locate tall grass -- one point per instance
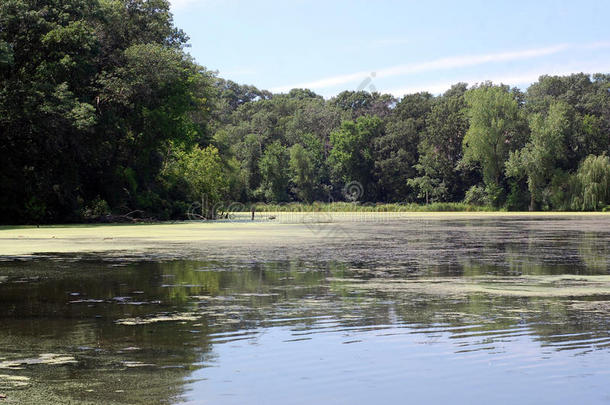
(358, 207)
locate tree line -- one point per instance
(103, 110)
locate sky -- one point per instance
(396, 47)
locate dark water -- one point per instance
(462, 311)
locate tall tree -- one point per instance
(203, 173)
(274, 174)
(103, 87)
(360, 103)
(589, 98)
(351, 158)
(396, 149)
(539, 159)
(440, 147)
(308, 168)
(494, 117)
(593, 183)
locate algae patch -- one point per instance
(45, 358)
(527, 286)
(8, 382)
(290, 228)
(601, 307)
(188, 316)
(134, 364)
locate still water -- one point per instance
(505, 310)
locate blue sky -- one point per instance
(396, 47)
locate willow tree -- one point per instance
(593, 179)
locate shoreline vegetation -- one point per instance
(258, 210)
(89, 132)
(318, 212)
(384, 207)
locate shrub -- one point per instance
(476, 195)
(96, 208)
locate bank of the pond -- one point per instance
(339, 206)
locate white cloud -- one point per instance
(598, 45)
(323, 83)
(439, 64)
(511, 79)
(470, 60)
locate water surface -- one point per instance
(404, 311)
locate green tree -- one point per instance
(351, 157)
(494, 119)
(428, 188)
(202, 170)
(101, 86)
(538, 160)
(360, 103)
(307, 168)
(248, 152)
(593, 183)
(440, 147)
(396, 151)
(589, 98)
(273, 167)
(6, 55)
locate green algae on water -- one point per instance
(159, 318)
(45, 358)
(525, 286)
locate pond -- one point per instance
(395, 310)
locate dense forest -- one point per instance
(102, 110)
